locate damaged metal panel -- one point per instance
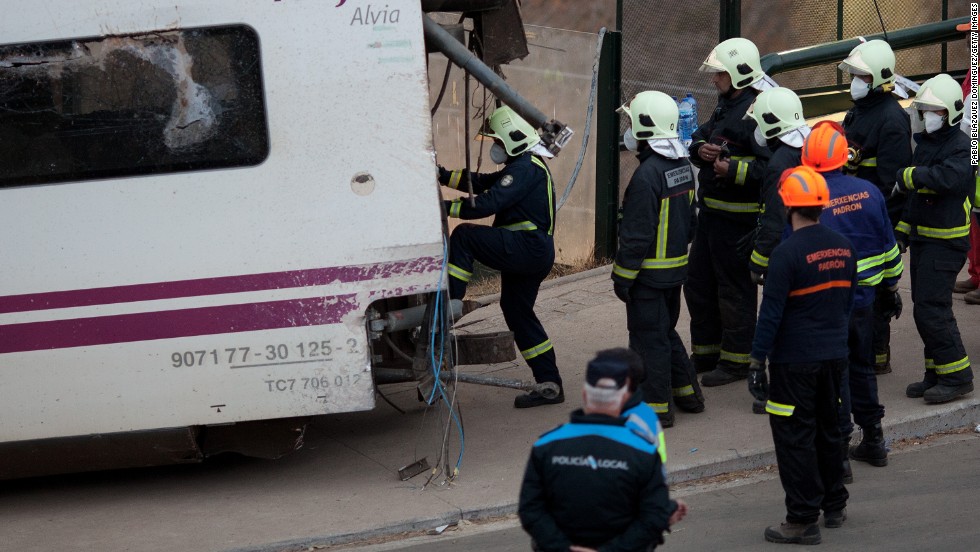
(130, 105)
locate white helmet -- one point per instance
(875, 58)
(941, 92)
(652, 115)
(510, 128)
(738, 57)
(777, 111)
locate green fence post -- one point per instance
(607, 145)
(730, 23)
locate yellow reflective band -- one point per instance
(759, 259)
(944, 233)
(662, 229)
(779, 409)
(961, 364)
(458, 273)
(685, 391)
(907, 178)
(521, 226)
(868, 262)
(743, 157)
(741, 173)
(537, 350)
(662, 446)
(903, 227)
(735, 357)
(881, 358)
(659, 408)
(930, 365)
(454, 179)
(625, 272)
(872, 162)
(454, 208)
(976, 192)
(551, 194)
(926, 191)
(660, 264)
(731, 207)
(706, 349)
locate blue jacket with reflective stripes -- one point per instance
(594, 482)
(521, 195)
(857, 211)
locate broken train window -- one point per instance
(82, 109)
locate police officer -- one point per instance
(720, 295)
(936, 225)
(781, 128)
(651, 263)
(802, 330)
(594, 483)
(858, 212)
(879, 136)
(520, 243)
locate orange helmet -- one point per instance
(803, 187)
(825, 149)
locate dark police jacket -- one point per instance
(594, 482)
(772, 220)
(807, 299)
(737, 195)
(880, 130)
(658, 215)
(940, 184)
(522, 195)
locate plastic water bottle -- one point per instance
(688, 121)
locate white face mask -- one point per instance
(498, 154)
(933, 121)
(859, 88)
(759, 138)
(630, 141)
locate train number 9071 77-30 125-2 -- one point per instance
(277, 353)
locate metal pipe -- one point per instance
(829, 52)
(548, 389)
(406, 319)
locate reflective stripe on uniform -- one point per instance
(706, 349)
(943, 233)
(537, 350)
(903, 227)
(455, 178)
(658, 264)
(930, 365)
(820, 287)
(731, 207)
(779, 409)
(759, 259)
(662, 447)
(870, 162)
(551, 194)
(735, 357)
(869, 263)
(741, 172)
(625, 272)
(881, 358)
(521, 226)
(685, 391)
(661, 251)
(943, 369)
(660, 408)
(458, 273)
(907, 178)
(454, 208)
(877, 260)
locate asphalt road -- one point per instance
(924, 500)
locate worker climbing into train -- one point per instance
(520, 243)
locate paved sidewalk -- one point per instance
(343, 486)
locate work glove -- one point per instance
(758, 382)
(623, 292)
(902, 243)
(444, 174)
(888, 302)
(758, 278)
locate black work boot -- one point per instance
(835, 519)
(917, 389)
(941, 392)
(794, 533)
(666, 419)
(722, 376)
(872, 447)
(532, 399)
(848, 474)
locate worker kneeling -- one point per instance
(802, 330)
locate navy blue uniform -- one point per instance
(858, 212)
(936, 224)
(879, 130)
(720, 295)
(803, 320)
(520, 244)
(594, 482)
(654, 232)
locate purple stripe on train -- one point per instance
(215, 286)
